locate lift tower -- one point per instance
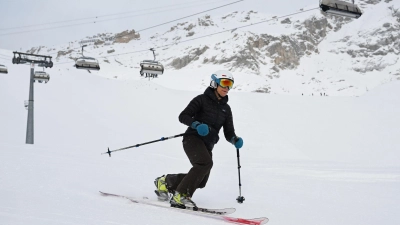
(23, 58)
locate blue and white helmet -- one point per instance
(220, 74)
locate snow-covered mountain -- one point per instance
(308, 53)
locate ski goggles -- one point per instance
(226, 83)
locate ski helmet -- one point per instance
(222, 78)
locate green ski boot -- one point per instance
(182, 201)
(162, 191)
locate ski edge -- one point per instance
(220, 212)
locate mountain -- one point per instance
(307, 53)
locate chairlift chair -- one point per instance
(41, 76)
(340, 8)
(151, 67)
(3, 69)
(87, 63)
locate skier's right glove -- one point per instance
(237, 142)
(202, 129)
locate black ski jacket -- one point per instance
(206, 109)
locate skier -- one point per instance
(205, 115)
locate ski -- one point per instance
(159, 204)
(219, 214)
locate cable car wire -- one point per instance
(208, 35)
(147, 27)
(105, 20)
(94, 17)
(190, 15)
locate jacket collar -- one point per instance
(210, 93)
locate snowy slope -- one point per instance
(306, 160)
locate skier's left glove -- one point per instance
(237, 142)
(202, 128)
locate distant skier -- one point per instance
(205, 115)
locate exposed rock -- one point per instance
(110, 51)
(190, 27)
(285, 51)
(99, 42)
(248, 16)
(126, 36)
(193, 54)
(386, 25)
(63, 53)
(176, 27)
(191, 33)
(206, 21)
(230, 15)
(263, 90)
(35, 50)
(286, 21)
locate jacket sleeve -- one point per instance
(229, 129)
(187, 115)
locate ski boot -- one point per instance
(182, 201)
(162, 191)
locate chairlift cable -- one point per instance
(94, 17)
(229, 30)
(162, 23)
(190, 16)
(92, 22)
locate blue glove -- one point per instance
(237, 142)
(202, 129)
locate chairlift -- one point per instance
(87, 63)
(151, 67)
(41, 76)
(340, 8)
(3, 69)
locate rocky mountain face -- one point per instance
(283, 52)
(273, 47)
(279, 52)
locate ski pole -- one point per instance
(138, 145)
(239, 199)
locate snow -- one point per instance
(306, 159)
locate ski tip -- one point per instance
(266, 220)
(262, 220)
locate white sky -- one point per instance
(142, 14)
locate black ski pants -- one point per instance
(197, 177)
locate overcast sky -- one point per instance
(81, 15)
